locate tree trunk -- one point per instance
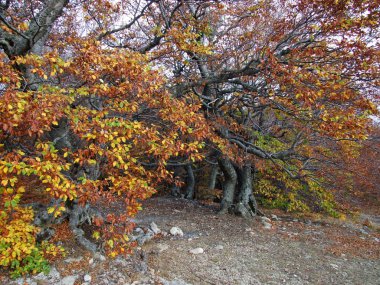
(229, 184)
(246, 203)
(190, 182)
(213, 176)
(176, 190)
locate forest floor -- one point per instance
(295, 250)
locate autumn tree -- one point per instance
(81, 126)
(100, 98)
(283, 83)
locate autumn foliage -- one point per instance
(97, 100)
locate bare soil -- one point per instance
(295, 250)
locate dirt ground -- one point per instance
(236, 251)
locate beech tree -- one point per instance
(78, 124)
(283, 83)
(98, 99)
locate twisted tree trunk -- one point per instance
(229, 184)
(246, 205)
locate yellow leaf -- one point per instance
(21, 189)
(96, 235)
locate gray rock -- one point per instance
(54, 274)
(139, 230)
(69, 280)
(154, 228)
(73, 259)
(20, 281)
(100, 257)
(145, 238)
(197, 250)
(121, 261)
(363, 231)
(265, 219)
(219, 247)
(174, 282)
(274, 217)
(267, 226)
(87, 278)
(176, 231)
(161, 247)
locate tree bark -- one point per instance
(190, 182)
(213, 176)
(176, 190)
(246, 205)
(229, 184)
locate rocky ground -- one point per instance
(189, 243)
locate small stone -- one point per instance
(267, 226)
(91, 261)
(43, 282)
(87, 278)
(54, 274)
(69, 280)
(19, 281)
(154, 228)
(121, 261)
(274, 217)
(176, 231)
(219, 247)
(145, 238)
(363, 231)
(295, 220)
(265, 219)
(162, 247)
(73, 259)
(197, 250)
(99, 257)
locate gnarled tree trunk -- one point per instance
(246, 205)
(229, 184)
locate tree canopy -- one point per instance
(101, 101)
